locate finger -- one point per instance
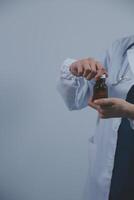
(102, 116)
(104, 102)
(100, 70)
(74, 69)
(107, 107)
(101, 67)
(93, 71)
(92, 104)
(87, 70)
(80, 70)
(102, 111)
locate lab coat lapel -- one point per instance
(130, 55)
(120, 59)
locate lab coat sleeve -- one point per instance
(75, 91)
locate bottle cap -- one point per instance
(103, 76)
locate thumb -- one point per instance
(104, 102)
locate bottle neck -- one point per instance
(101, 80)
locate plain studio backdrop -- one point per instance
(43, 146)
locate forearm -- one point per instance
(130, 111)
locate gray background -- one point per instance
(43, 146)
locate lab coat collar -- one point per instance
(121, 58)
(130, 55)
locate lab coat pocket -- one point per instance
(91, 153)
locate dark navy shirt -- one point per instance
(122, 183)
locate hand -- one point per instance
(88, 68)
(112, 107)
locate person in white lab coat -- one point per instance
(111, 148)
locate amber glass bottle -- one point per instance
(100, 89)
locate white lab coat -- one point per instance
(75, 91)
